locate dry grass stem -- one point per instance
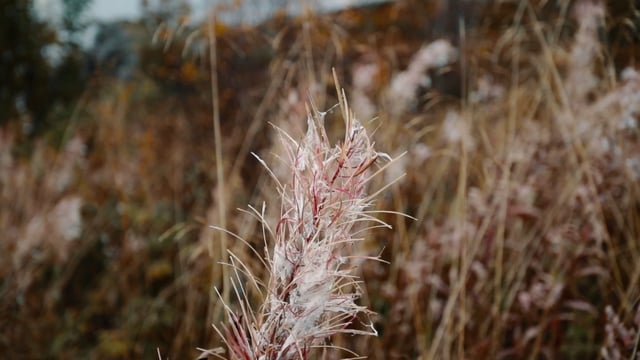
(312, 290)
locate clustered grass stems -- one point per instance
(312, 291)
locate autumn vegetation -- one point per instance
(149, 221)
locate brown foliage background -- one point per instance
(522, 170)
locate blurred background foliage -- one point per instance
(107, 173)
(36, 74)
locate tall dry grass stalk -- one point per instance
(312, 291)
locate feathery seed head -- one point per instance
(311, 294)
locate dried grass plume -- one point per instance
(312, 291)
